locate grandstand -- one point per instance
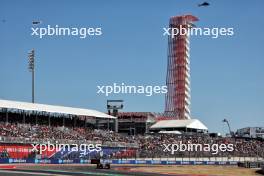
(44, 114)
(133, 123)
(23, 124)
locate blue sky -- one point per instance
(226, 73)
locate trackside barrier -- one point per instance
(82, 161)
(174, 162)
(257, 164)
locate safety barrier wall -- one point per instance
(80, 161)
(257, 164)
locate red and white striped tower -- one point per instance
(177, 101)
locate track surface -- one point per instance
(122, 170)
(67, 170)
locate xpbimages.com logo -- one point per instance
(131, 89)
(190, 147)
(197, 31)
(66, 31)
(50, 147)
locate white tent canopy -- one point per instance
(190, 123)
(52, 109)
(170, 132)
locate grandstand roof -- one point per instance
(52, 109)
(190, 123)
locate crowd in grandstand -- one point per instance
(51, 133)
(146, 145)
(150, 145)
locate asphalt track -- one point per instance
(73, 170)
(122, 170)
(66, 173)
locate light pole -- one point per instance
(31, 67)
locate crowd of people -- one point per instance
(51, 133)
(159, 146)
(148, 145)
